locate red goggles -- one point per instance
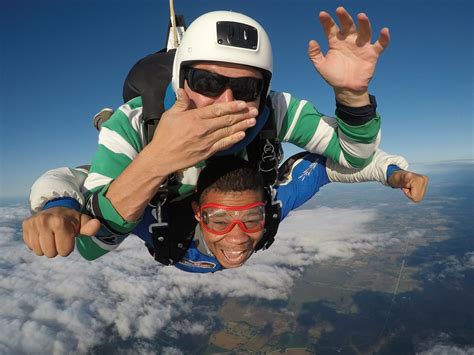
(221, 219)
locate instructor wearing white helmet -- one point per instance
(211, 114)
(225, 37)
(221, 76)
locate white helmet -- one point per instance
(224, 36)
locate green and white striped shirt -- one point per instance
(122, 137)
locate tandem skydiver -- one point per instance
(222, 224)
(210, 74)
(224, 90)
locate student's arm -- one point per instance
(309, 172)
(375, 171)
(387, 169)
(301, 177)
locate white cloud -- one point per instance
(322, 233)
(440, 344)
(68, 304)
(452, 268)
(447, 350)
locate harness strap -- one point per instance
(266, 153)
(174, 231)
(156, 88)
(272, 220)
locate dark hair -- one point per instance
(229, 174)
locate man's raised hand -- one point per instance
(350, 62)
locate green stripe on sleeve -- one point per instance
(333, 150)
(357, 162)
(288, 118)
(185, 189)
(119, 122)
(366, 133)
(110, 214)
(305, 128)
(136, 102)
(88, 249)
(284, 128)
(108, 163)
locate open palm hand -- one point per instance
(350, 61)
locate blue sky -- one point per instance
(61, 61)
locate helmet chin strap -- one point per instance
(250, 134)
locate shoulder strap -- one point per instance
(265, 151)
(272, 220)
(174, 231)
(158, 77)
(149, 78)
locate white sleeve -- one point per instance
(57, 183)
(375, 171)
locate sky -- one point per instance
(62, 61)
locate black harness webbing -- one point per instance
(173, 232)
(266, 153)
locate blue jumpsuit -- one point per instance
(301, 184)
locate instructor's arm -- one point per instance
(183, 138)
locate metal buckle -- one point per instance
(269, 156)
(159, 225)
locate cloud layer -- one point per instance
(71, 305)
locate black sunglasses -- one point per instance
(211, 84)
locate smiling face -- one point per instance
(227, 70)
(233, 248)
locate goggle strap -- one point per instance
(233, 208)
